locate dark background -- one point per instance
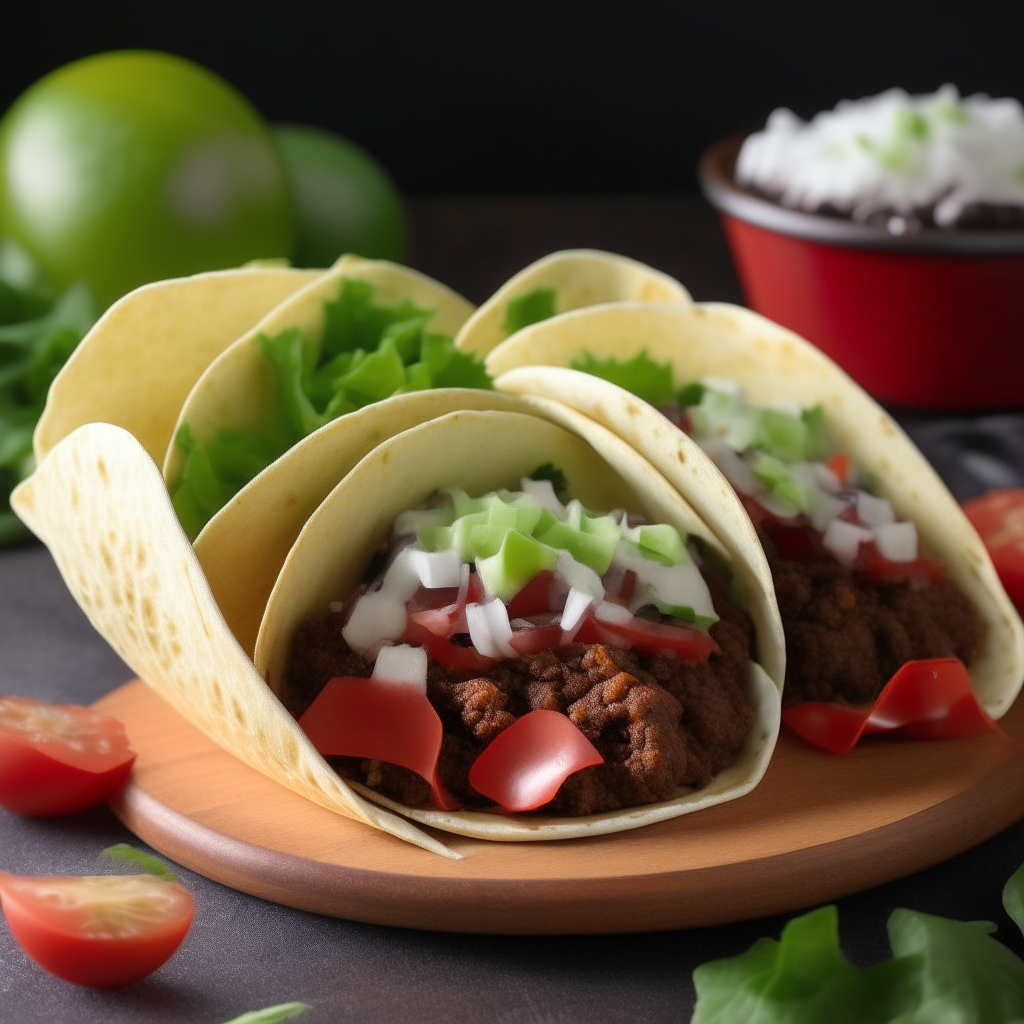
(532, 98)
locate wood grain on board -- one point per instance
(818, 827)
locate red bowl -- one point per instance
(933, 319)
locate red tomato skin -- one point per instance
(50, 776)
(443, 652)
(524, 766)
(52, 942)
(34, 784)
(999, 517)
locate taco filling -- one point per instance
(857, 596)
(513, 651)
(368, 351)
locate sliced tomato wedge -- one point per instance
(443, 652)
(930, 699)
(653, 637)
(873, 567)
(537, 638)
(999, 517)
(103, 931)
(532, 599)
(392, 722)
(59, 758)
(523, 767)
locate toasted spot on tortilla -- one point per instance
(887, 427)
(681, 455)
(148, 614)
(101, 467)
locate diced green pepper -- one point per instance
(516, 563)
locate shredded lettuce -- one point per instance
(37, 335)
(641, 375)
(529, 308)
(367, 352)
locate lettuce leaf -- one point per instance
(529, 308)
(368, 352)
(641, 375)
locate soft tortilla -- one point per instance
(481, 451)
(580, 277)
(772, 365)
(139, 361)
(99, 504)
(237, 390)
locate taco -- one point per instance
(361, 332)
(101, 506)
(559, 282)
(140, 360)
(874, 564)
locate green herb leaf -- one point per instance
(529, 308)
(270, 1015)
(804, 979)
(549, 471)
(1013, 897)
(151, 865)
(967, 976)
(641, 375)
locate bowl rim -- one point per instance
(715, 173)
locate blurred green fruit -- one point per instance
(344, 199)
(132, 166)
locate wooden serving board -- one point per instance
(818, 827)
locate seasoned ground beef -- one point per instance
(845, 639)
(660, 724)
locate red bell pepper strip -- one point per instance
(926, 700)
(391, 722)
(523, 767)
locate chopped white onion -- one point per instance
(726, 387)
(897, 541)
(463, 583)
(609, 611)
(379, 616)
(843, 539)
(577, 605)
(436, 569)
(402, 665)
(736, 471)
(668, 584)
(416, 519)
(574, 513)
(874, 511)
(825, 478)
(579, 576)
(489, 629)
(543, 492)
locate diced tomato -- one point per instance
(537, 638)
(391, 722)
(840, 465)
(59, 758)
(999, 517)
(930, 699)
(628, 588)
(103, 931)
(532, 599)
(873, 567)
(653, 637)
(431, 598)
(442, 622)
(443, 652)
(797, 543)
(523, 767)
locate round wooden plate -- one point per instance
(818, 827)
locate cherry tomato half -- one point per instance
(102, 931)
(653, 637)
(59, 758)
(999, 517)
(523, 766)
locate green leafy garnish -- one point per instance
(912, 125)
(530, 308)
(549, 471)
(271, 1014)
(37, 335)
(151, 865)
(367, 352)
(1013, 897)
(641, 375)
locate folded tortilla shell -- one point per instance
(579, 277)
(238, 389)
(243, 547)
(482, 451)
(142, 357)
(99, 504)
(772, 365)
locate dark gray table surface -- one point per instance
(243, 953)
